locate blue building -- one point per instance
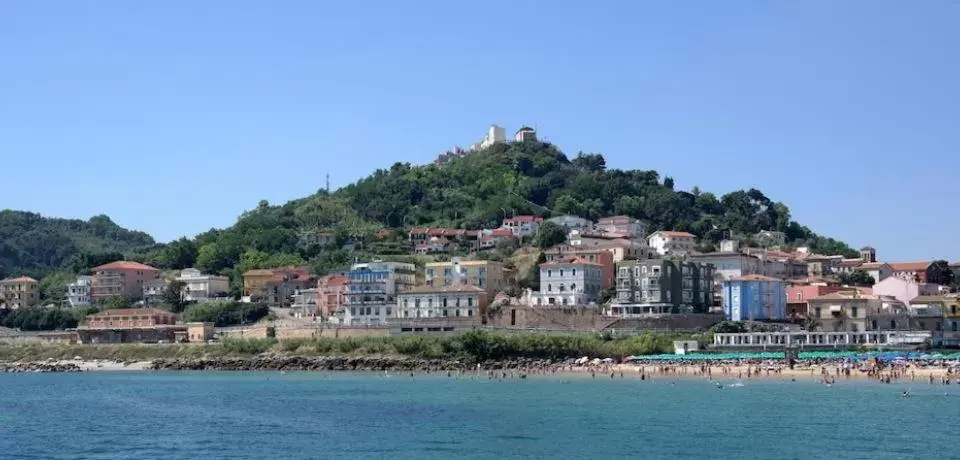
(755, 298)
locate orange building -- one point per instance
(130, 318)
(331, 295)
(19, 292)
(121, 278)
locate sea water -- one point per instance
(217, 415)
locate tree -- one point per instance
(115, 302)
(856, 278)
(549, 235)
(940, 273)
(173, 295)
(668, 182)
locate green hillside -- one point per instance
(472, 191)
(36, 245)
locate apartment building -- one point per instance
(121, 278)
(660, 286)
(19, 292)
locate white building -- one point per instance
(78, 292)
(672, 243)
(201, 288)
(524, 134)
(305, 302)
(878, 270)
(372, 291)
(494, 135)
(729, 265)
(729, 246)
(624, 225)
(461, 300)
(569, 222)
(568, 281)
(768, 238)
(523, 225)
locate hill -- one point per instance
(36, 245)
(470, 191)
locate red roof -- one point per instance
(20, 279)
(501, 232)
(124, 265)
(133, 311)
(909, 266)
(572, 260)
(523, 219)
(674, 234)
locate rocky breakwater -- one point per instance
(39, 367)
(332, 363)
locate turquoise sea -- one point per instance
(351, 416)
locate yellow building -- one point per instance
(484, 274)
(256, 281)
(19, 292)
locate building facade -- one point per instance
(525, 134)
(568, 281)
(331, 294)
(755, 298)
(153, 291)
(659, 286)
(121, 278)
(372, 290)
(130, 318)
(484, 274)
(912, 271)
(879, 271)
(276, 286)
(198, 287)
(522, 226)
(569, 222)
(904, 289)
(598, 256)
(78, 292)
(624, 225)
(729, 265)
(672, 243)
(457, 301)
(19, 292)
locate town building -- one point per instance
(904, 290)
(525, 134)
(879, 271)
(729, 265)
(851, 311)
(141, 325)
(801, 290)
(621, 249)
(820, 265)
(198, 287)
(153, 291)
(868, 254)
(485, 274)
(568, 281)
(456, 301)
(275, 286)
(420, 235)
(820, 339)
(78, 292)
(491, 238)
(671, 243)
(310, 238)
(522, 226)
(495, 134)
(602, 257)
(331, 294)
(624, 225)
(433, 245)
(121, 278)
(754, 298)
(658, 286)
(569, 222)
(372, 290)
(19, 292)
(914, 271)
(305, 302)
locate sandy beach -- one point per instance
(814, 372)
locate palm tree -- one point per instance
(811, 323)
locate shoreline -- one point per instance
(520, 368)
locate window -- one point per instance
(549, 288)
(389, 311)
(817, 312)
(353, 312)
(469, 301)
(574, 272)
(444, 312)
(549, 273)
(573, 287)
(444, 302)
(469, 312)
(853, 312)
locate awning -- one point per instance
(835, 308)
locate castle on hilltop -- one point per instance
(495, 134)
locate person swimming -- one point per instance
(906, 394)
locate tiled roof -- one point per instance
(930, 299)
(755, 278)
(19, 279)
(909, 266)
(501, 232)
(872, 265)
(572, 260)
(124, 265)
(851, 262)
(674, 234)
(132, 311)
(259, 272)
(523, 219)
(454, 288)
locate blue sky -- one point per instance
(174, 117)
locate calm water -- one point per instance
(347, 416)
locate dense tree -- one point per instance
(173, 295)
(940, 273)
(225, 313)
(550, 234)
(856, 278)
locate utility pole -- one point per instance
(328, 183)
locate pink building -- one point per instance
(331, 295)
(798, 292)
(523, 225)
(121, 278)
(904, 290)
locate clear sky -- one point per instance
(174, 117)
